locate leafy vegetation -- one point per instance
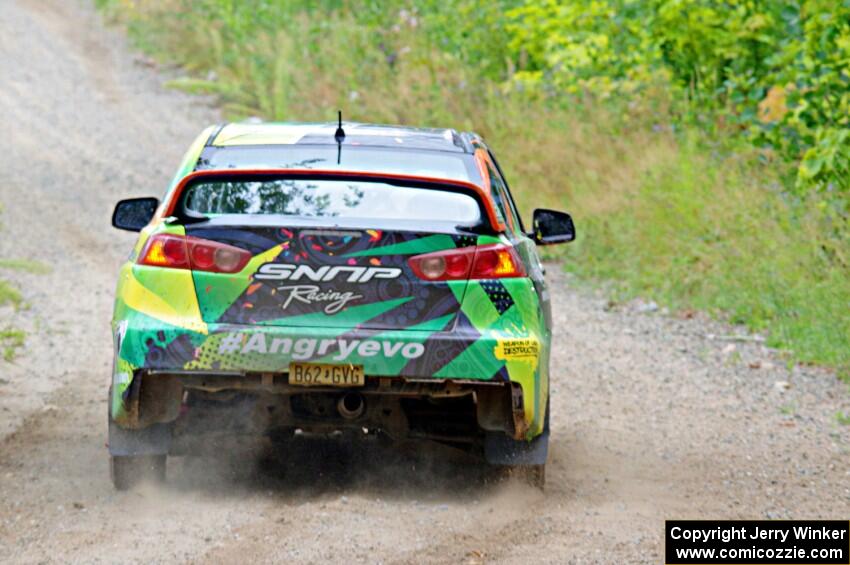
(702, 145)
(776, 70)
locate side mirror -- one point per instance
(551, 226)
(134, 213)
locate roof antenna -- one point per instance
(339, 136)
(340, 133)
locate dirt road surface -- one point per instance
(653, 416)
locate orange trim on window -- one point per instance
(485, 163)
(484, 195)
(481, 159)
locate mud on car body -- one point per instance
(292, 281)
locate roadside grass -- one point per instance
(686, 217)
(10, 341)
(26, 265)
(9, 294)
(712, 233)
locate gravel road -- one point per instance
(653, 416)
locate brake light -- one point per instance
(494, 261)
(181, 252)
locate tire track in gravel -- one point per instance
(652, 417)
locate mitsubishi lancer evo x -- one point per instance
(304, 279)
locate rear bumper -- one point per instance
(148, 347)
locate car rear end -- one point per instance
(298, 302)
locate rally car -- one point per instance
(357, 280)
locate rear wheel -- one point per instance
(520, 459)
(128, 471)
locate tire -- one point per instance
(535, 475)
(525, 461)
(502, 450)
(128, 471)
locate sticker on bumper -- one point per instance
(517, 349)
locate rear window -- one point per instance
(331, 198)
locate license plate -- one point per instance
(323, 374)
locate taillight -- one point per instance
(452, 264)
(179, 252)
(483, 262)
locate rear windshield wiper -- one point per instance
(478, 228)
(187, 217)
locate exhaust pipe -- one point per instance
(351, 406)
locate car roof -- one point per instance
(367, 148)
(368, 151)
(356, 134)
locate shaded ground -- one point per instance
(653, 417)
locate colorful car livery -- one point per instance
(303, 279)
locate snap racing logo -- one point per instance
(306, 348)
(325, 273)
(310, 294)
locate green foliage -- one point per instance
(826, 166)
(601, 47)
(474, 32)
(9, 294)
(717, 48)
(722, 56)
(706, 48)
(26, 265)
(813, 67)
(703, 233)
(10, 341)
